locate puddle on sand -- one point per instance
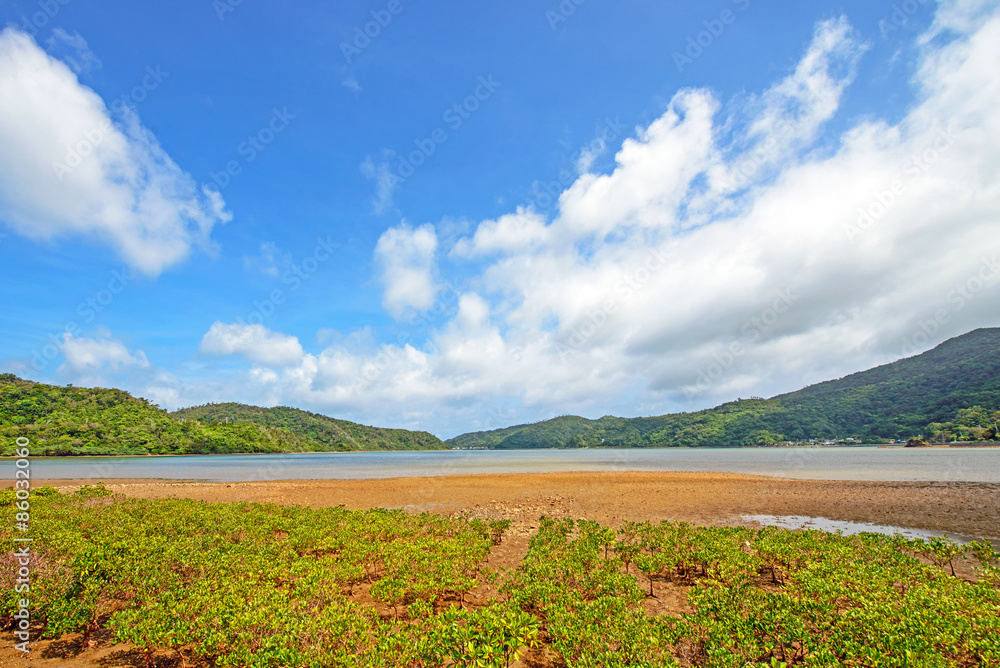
(852, 528)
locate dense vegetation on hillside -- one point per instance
(192, 583)
(95, 421)
(331, 433)
(971, 424)
(948, 392)
(555, 433)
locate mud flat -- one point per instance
(969, 509)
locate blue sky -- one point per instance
(463, 295)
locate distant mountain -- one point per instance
(949, 391)
(96, 421)
(952, 391)
(330, 433)
(558, 432)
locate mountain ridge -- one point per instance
(322, 428)
(898, 400)
(70, 420)
(951, 391)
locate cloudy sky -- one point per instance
(456, 216)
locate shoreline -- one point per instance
(210, 454)
(965, 508)
(887, 446)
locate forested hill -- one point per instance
(950, 392)
(95, 421)
(331, 433)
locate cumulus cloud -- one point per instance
(784, 119)
(796, 107)
(652, 176)
(726, 253)
(254, 342)
(69, 168)
(521, 230)
(405, 258)
(86, 357)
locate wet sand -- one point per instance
(971, 509)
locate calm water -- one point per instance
(854, 528)
(895, 464)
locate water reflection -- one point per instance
(853, 528)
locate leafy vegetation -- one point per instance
(949, 393)
(329, 432)
(759, 597)
(96, 421)
(970, 424)
(921, 394)
(267, 586)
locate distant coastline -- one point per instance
(984, 445)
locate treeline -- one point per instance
(930, 393)
(970, 424)
(97, 421)
(330, 432)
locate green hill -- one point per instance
(948, 392)
(554, 433)
(332, 434)
(96, 421)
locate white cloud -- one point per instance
(795, 108)
(841, 251)
(517, 231)
(959, 16)
(67, 168)
(267, 262)
(254, 342)
(653, 173)
(785, 118)
(163, 396)
(386, 183)
(405, 257)
(589, 154)
(86, 356)
(72, 50)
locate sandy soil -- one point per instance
(971, 509)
